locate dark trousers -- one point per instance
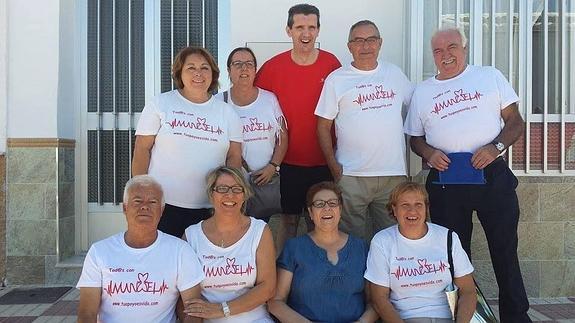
(497, 208)
(175, 220)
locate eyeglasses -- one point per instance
(320, 204)
(241, 64)
(369, 40)
(223, 189)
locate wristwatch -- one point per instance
(226, 309)
(499, 145)
(276, 166)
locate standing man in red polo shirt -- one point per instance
(296, 78)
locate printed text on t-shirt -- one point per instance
(458, 96)
(198, 124)
(229, 269)
(423, 267)
(142, 285)
(255, 125)
(367, 94)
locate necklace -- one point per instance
(232, 235)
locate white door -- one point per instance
(129, 47)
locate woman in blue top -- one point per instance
(320, 275)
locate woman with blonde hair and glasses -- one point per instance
(236, 252)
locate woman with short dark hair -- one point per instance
(320, 274)
(264, 130)
(182, 135)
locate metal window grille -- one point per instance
(531, 43)
(117, 75)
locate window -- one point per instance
(117, 75)
(128, 51)
(531, 43)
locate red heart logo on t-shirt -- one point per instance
(143, 277)
(231, 261)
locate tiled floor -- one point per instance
(64, 309)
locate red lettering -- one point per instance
(140, 286)
(200, 124)
(229, 269)
(423, 268)
(459, 96)
(378, 94)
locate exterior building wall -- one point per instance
(546, 240)
(2, 217)
(269, 29)
(38, 222)
(40, 218)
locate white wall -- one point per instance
(68, 87)
(33, 37)
(265, 21)
(3, 73)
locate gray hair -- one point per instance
(451, 28)
(142, 180)
(363, 23)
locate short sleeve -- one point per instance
(507, 94)
(408, 88)
(286, 260)
(189, 268)
(234, 124)
(327, 106)
(413, 125)
(264, 78)
(191, 235)
(335, 62)
(150, 120)
(276, 108)
(377, 270)
(460, 259)
(91, 273)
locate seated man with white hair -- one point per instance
(138, 275)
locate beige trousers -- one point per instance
(365, 199)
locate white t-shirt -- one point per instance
(460, 114)
(140, 284)
(261, 126)
(367, 107)
(416, 271)
(191, 140)
(229, 272)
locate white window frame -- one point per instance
(152, 87)
(418, 45)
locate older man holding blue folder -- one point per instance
(461, 121)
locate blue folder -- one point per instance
(460, 171)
